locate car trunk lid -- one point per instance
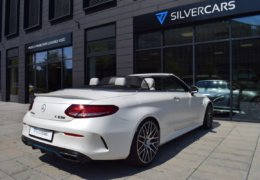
(52, 106)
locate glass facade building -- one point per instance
(50, 70)
(220, 57)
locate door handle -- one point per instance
(176, 99)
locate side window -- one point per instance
(173, 84)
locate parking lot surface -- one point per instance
(229, 151)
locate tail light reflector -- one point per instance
(90, 111)
(74, 135)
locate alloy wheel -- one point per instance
(148, 141)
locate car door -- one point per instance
(185, 106)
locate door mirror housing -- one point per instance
(194, 90)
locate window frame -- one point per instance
(64, 17)
(46, 64)
(7, 23)
(98, 7)
(99, 54)
(25, 24)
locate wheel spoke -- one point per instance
(148, 155)
(140, 141)
(142, 152)
(151, 149)
(153, 138)
(141, 137)
(140, 147)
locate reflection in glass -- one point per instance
(99, 33)
(213, 31)
(55, 55)
(246, 77)
(212, 74)
(31, 85)
(178, 60)
(54, 76)
(67, 53)
(148, 61)
(61, 8)
(101, 46)
(41, 79)
(67, 78)
(212, 61)
(13, 61)
(246, 26)
(40, 57)
(13, 77)
(101, 51)
(50, 71)
(149, 40)
(102, 66)
(178, 36)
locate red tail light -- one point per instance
(90, 111)
(31, 106)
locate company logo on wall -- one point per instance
(197, 12)
(204, 10)
(193, 12)
(162, 16)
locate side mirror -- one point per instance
(194, 90)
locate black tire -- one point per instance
(208, 118)
(145, 144)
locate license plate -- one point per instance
(41, 133)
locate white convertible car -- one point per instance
(115, 118)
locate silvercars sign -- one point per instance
(206, 10)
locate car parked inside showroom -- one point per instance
(115, 118)
(244, 94)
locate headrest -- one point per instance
(94, 81)
(148, 82)
(120, 81)
(112, 80)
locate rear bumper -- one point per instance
(104, 138)
(60, 152)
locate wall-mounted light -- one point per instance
(187, 34)
(218, 53)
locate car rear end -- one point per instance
(76, 129)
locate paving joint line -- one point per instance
(211, 152)
(7, 175)
(249, 170)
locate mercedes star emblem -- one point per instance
(43, 108)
